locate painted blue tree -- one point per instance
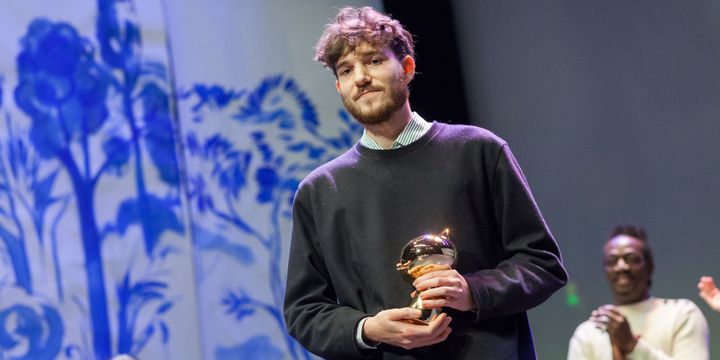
(284, 146)
(65, 90)
(30, 325)
(144, 82)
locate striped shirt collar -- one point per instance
(415, 129)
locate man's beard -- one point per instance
(396, 98)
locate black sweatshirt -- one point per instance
(353, 215)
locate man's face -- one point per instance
(627, 270)
(372, 82)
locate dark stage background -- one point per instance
(612, 109)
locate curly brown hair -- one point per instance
(352, 26)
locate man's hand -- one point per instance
(709, 292)
(444, 288)
(608, 318)
(391, 327)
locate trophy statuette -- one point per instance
(422, 255)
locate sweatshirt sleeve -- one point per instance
(690, 338)
(311, 310)
(580, 346)
(533, 269)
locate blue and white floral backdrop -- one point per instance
(149, 152)
(96, 256)
(253, 124)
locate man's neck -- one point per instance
(621, 302)
(385, 133)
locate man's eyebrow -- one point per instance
(361, 54)
(341, 64)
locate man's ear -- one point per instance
(408, 65)
(337, 86)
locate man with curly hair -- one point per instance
(404, 178)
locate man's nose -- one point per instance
(621, 264)
(361, 76)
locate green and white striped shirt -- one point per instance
(415, 129)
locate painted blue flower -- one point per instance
(30, 328)
(60, 85)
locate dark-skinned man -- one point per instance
(638, 325)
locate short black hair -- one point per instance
(629, 229)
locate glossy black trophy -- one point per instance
(422, 255)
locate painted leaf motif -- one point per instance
(119, 38)
(165, 307)
(254, 105)
(42, 193)
(164, 331)
(16, 251)
(239, 305)
(308, 113)
(162, 211)
(230, 166)
(133, 296)
(159, 133)
(154, 69)
(267, 179)
(117, 152)
(149, 290)
(214, 96)
(206, 240)
(256, 348)
(127, 215)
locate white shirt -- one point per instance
(668, 328)
(415, 129)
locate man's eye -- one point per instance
(344, 71)
(376, 61)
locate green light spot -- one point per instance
(571, 298)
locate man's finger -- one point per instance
(403, 314)
(436, 327)
(615, 315)
(442, 336)
(438, 292)
(432, 275)
(437, 322)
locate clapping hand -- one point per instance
(609, 319)
(709, 292)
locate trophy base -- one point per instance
(427, 314)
